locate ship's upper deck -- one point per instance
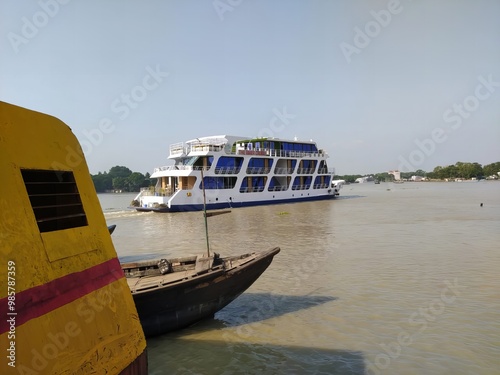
(234, 145)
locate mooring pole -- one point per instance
(205, 210)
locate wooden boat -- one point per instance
(175, 293)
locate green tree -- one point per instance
(120, 183)
(384, 176)
(135, 181)
(492, 169)
(102, 182)
(119, 171)
(407, 175)
(451, 171)
(437, 173)
(148, 181)
(469, 170)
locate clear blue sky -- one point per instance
(378, 84)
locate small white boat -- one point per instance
(237, 172)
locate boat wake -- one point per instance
(108, 214)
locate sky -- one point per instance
(379, 85)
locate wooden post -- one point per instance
(205, 210)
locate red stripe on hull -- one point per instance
(40, 300)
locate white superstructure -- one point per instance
(239, 171)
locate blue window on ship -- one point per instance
(253, 184)
(307, 166)
(299, 147)
(218, 183)
(323, 167)
(321, 182)
(301, 182)
(228, 165)
(259, 165)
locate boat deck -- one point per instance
(144, 276)
(143, 283)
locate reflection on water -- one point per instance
(390, 279)
(186, 356)
(256, 307)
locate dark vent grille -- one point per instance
(55, 199)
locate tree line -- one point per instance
(121, 178)
(462, 170)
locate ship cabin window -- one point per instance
(253, 184)
(199, 162)
(218, 182)
(322, 182)
(323, 167)
(189, 161)
(251, 147)
(278, 184)
(228, 165)
(55, 199)
(285, 166)
(296, 149)
(302, 183)
(266, 145)
(259, 165)
(307, 166)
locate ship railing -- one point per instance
(258, 170)
(279, 153)
(305, 170)
(205, 148)
(278, 188)
(227, 170)
(174, 168)
(156, 192)
(255, 151)
(254, 189)
(283, 170)
(320, 186)
(180, 168)
(177, 148)
(297, 154)
(206, 145)
(301, 187)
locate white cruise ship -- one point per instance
(238, 172)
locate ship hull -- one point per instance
(228, 172)
(197, 295)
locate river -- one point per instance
(386, 279)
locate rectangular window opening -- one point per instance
(55, 199)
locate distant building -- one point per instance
(417, 178)
(396, 174)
